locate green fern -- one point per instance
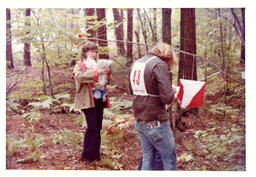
(70, 106)
(221, 107)
(62, 96)
(68, 137)
(214, 110)
(33, 156)
(31, 116)
(32, 143)
(120, 106)
(11, 105)
(46, 104)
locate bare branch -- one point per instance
(151, 27)
(237, 21)
(228, 20)
(9, 89)
(143, 29)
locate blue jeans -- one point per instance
(157, 161)
(162, 140)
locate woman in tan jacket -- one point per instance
(91, 97)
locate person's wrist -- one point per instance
(99, 71)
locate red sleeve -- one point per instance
(109, 76)
(95, 76)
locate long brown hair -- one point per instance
(86, 47)
(165, 52)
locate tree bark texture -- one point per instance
(102, 34)
(166, 25)
(90, 31)
(129, 33)
(9, 58)
(144, 32)
(151, 26)
(187, 63)
(239, 26)
(119, 31)
(138, 44)
(27, 59)
(222, 56)
(243, 35)
(155, 25)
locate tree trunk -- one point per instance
(44, 61)
(205, 66)
(43, 56)
(151, 27)
(129, 33)
(155, 24)
(27, 59)
(102, 34)
(49, 75)
(166, 25)
(9, 58)
(242, 60)
(90, 32)
(138, 44)
(221, 42)
(187, 63)
(119, 31)
(230, 34)
(240, 29)
(144, 33)
(182, 45)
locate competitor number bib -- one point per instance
(137, 78)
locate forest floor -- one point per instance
(53, 138)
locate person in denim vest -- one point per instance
(152, 90)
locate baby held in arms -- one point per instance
(101, 63)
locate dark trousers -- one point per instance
(92, 137)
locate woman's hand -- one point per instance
(104, 70)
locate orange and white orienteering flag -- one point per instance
(191, 93)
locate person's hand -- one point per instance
(176, 91)
(104, 70)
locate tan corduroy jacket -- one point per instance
(84, 80)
